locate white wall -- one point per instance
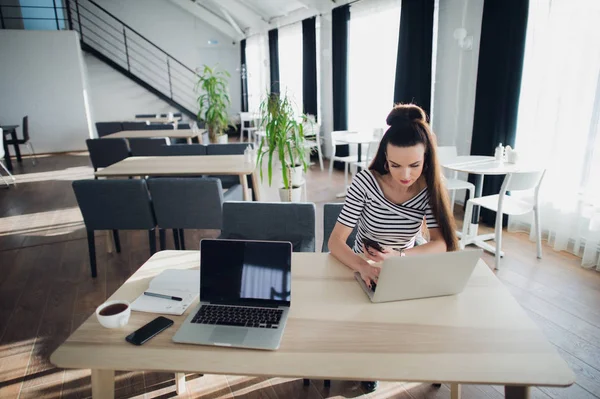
(180, 34)
(42, 75)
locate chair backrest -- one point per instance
(330, 216)
(187, 202)
(145, 115)
(522, 181)
(446, 153)
(175, 115)
(106, 128)
(115, 204)
(183, 126)
(157, 126)
(183, 149)
(26, 128)
(105, 152)
(147, 147)
(271, 221)
(134, 125)
(227, 149)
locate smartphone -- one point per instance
(145, 333)
(372, 244)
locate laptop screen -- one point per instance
(245, 272)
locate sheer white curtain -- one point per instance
(257, 64)
(558, 125)
(290, 64)
(372, 50)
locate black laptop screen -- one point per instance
(245, 272)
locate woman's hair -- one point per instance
(409, 127)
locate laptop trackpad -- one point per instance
(228, 335)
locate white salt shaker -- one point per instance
(499, 153)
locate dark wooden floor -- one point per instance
(46, 293)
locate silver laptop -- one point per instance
(422, 276)
(245, 295)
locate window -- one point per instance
(372, 52)
(290, 64)
(257, 55)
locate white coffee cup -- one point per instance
(116, 320)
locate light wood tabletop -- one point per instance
(188, 134)
(195, 165)
(481, 336)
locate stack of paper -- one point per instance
(184, 284)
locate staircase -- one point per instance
(123, 48)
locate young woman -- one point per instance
(389, 201)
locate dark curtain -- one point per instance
(244, 76)
(413, 65)
(274, 59)
(309, 66)
(498, 83)
(339, 59)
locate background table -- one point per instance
(187, 166)
(12, 130)
(479, 166)
(165, 120)
(357, 138)
(187, 134)
(481, 336)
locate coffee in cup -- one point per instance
(113, 314)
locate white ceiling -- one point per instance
(242, 18)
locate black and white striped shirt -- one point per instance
(390, 224)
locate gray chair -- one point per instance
(115, 205)
(183, 126)
(145, 115)
(134, 125)
(228, 149)
(105, 152)
(106, 128)
(147, 147)
(271, 221)
(189, 203)
(330, 216)
(157, 126)
(184, 149)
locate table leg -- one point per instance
(7, 159)
(454, 391)
(13, 135)
(109, 242)
(255, 186)
(475, 218)
(180, 383)
(103, 384)
(189, 140)
(516, 392)
(244, 182)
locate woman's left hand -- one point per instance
(377, 256)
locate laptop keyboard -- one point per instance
(238, 316)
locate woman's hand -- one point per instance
(377, 256)
(369, 273)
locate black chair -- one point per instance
(228, 149)
(25, 140)
(115, 205)
(271, 221)
(183, 149)
(158, 126)
(175, 115)
(134, 125)
(145, 115)
(106, 128)
(147, 147)
(189, 203)
(183, 126)
(105, 152)
(330, 216)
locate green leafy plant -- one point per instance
(284, 138)
(213, 100)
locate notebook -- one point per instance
(179, 283)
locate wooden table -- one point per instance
(12, 130)
(481, 336)
(187, 166)
(187, 134)
(163, 119)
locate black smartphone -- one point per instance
(372, 244)
(145, 333)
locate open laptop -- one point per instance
(245, 295)
(422, 276)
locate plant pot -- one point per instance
(297, 176)
(222, 139)
(284, 194)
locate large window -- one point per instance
(558, 123)
(257, 55)
(372, 50)
(290, 64)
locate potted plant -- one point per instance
(282, 145)
(213, 102)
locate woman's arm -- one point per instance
(342, 252)
(435, 244)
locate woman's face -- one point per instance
(405, 163)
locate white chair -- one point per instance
(504, 204)
(372, 148)
(2, 154)
(249, 117)
(347, 160)
(447, 154)
(312, 134)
